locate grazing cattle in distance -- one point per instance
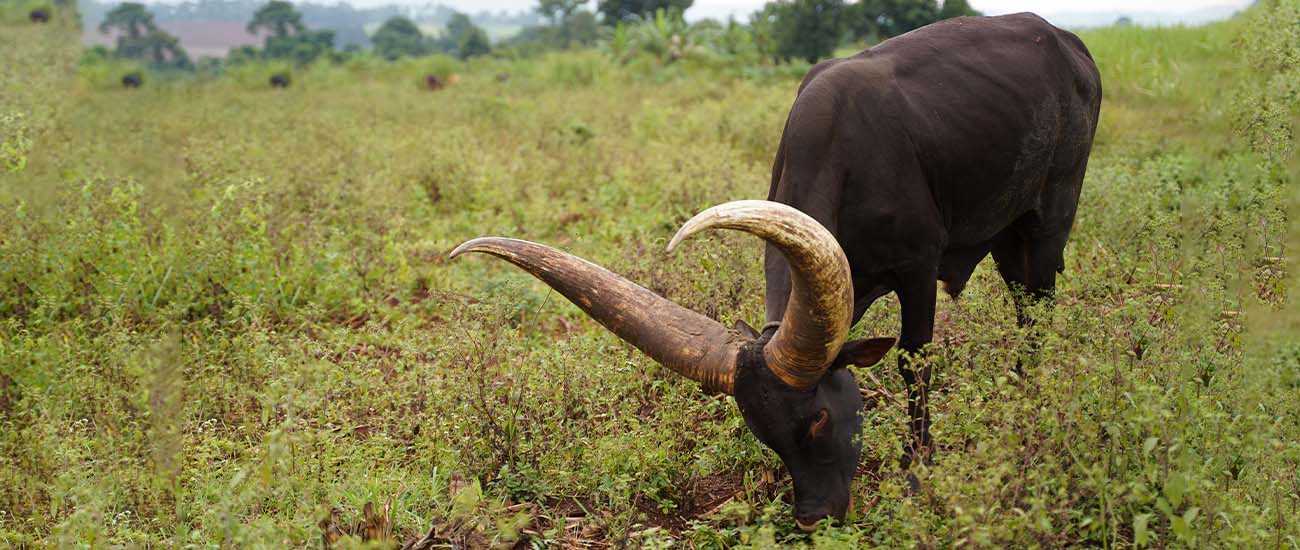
(132, 80)
(899, 167)
(432, 82)
(39, 16)
(280, 80)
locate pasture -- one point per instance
(226, 309)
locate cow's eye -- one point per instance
(818, 425)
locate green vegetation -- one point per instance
(575, 29)
(225, 310)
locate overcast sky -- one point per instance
(742, 8)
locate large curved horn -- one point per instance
(690, 344)
(820, 308)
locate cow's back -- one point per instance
(993, 107)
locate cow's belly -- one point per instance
(985, 188)
(975, 224)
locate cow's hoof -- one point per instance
(907, 464)
(913, 485)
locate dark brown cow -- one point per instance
(899, 167)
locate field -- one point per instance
(226, 310)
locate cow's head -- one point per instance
(789, 382)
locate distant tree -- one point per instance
(164, 51)
(459, 37)
(762, 32)
(474, 42)
(129, 18)
(241, 55)
(457, 26)
(880, 19)
(805, 29)
(301, 48)
(278, 17)
(1124, 21)
(558, 10)
(141, 39)
(399, 37)
(579, 28)
(626, 10)
(289, 37)
(956, 8)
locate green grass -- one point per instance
(225, 309)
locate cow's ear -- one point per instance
(744, 329)
(862, 353)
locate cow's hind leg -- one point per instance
(1028, 262)
(1031, 251)
(916, 296)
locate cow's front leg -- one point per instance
(916, 296)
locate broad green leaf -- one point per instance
(1141, 535)
(464, 503)
(1175, 488)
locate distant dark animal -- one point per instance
(899, 167)
(432, 82)
(280, 80)
(39, 16)
(132, 80)
(503, 77)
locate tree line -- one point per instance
(782, 31)
(286, 38)
(349, 23)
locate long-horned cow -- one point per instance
(899, 167)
